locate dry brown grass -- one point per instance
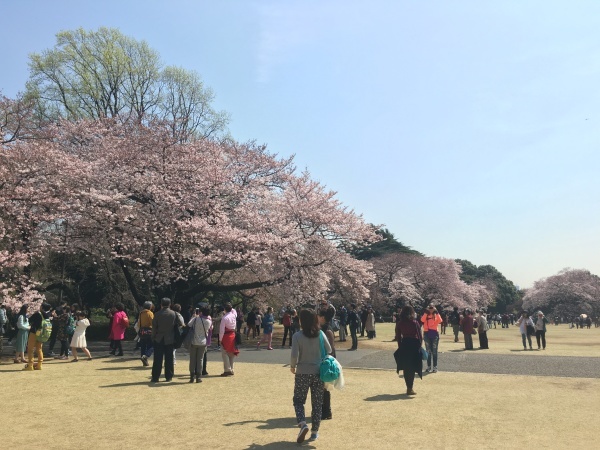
(109, 403)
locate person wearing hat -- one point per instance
(540, 330)
(431, 319)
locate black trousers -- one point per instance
(354, 337)
(286, 331)
(540, 334)
(326, 410)
(409, 377)
(163, 351)
(483, 340)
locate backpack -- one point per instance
(44, 331)
(70, 328)
(335, 325)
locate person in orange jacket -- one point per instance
(431, 320)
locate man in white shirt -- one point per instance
(227, 338)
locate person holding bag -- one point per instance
(325, 316)
(199, 328)
(410, 341)
(305, 365)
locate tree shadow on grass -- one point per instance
(116, 360)
(269, 424)
(279, 445)
(141, 383)
(123, 368)
(388, 398)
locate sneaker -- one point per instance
(52, 354)
(428, 370)
(269, 348)
(314, 436)
(144, 360)
(302, 434)
(434, 370)
(410, 392)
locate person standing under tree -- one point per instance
(199, 326)
(267, 323)
(227, 335)
(78, 339)
(145, 332)
(163, 340)
(370, 324)
(33, 344)
(286, 320)
(354, 324)
(119, 324)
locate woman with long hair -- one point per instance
(410, 340)
(305, 364)
(22, 335)
(325, 316)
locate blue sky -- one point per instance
(469, 128)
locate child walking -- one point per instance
(78, 340)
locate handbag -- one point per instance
(424, 354)
(238, 338)
(530, 330)
(189, 337)
(328, 370)
(335, 325)
(179, 334)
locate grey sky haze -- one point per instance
(469, 128)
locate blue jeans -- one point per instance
(526, 338)
(431, 345)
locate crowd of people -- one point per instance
(309, 333)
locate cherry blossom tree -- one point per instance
(179, 218)
(404, 277)
(570, 292)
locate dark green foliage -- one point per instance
(388, 244)
(506, 292)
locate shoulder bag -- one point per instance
(189, 337)
(329, 370)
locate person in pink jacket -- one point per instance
(120, 322)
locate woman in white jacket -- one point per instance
(200, 326)
(523, 322)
